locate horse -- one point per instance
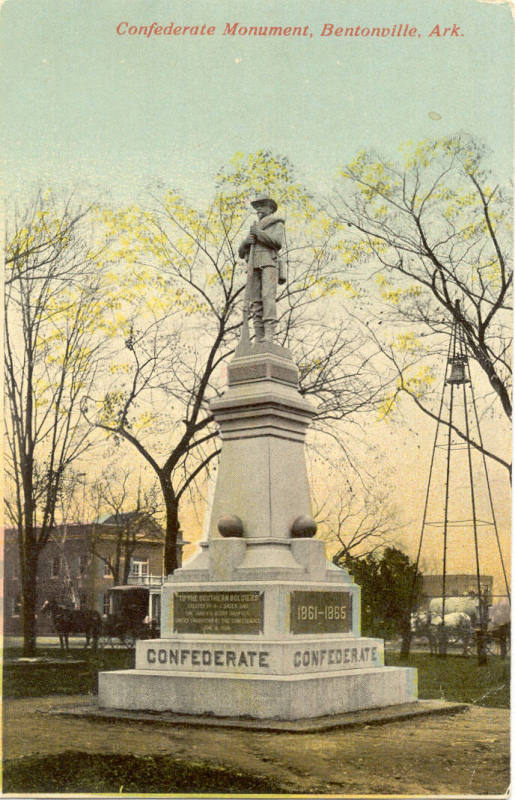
(67, 620)
(458, 628)
(421, 628)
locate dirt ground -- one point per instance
(462, 754)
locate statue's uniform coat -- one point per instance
(269, 233)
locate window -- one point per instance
(55, 568)
(83, 599)
(83, 565)
(139, 567)
(156, 608)
(107, 571)
(106, 607)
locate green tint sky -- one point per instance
(85, 107)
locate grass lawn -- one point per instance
(451, 678)
(88, 772)
(33, 679)
(459, 678)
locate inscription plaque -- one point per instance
(218, 612)
(320, 612)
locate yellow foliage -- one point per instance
(416, 383)
(407, 343)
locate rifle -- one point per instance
(244, 342)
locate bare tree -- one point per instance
(434, 230)
(361, 526)
(412, 375)
(128, 520)
(51, 358)
(69, 504)
(353, 510)
(39, 233)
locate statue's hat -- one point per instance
(263, 198)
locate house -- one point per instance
(81, 562)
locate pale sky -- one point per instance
(83, 106)
(110, 116)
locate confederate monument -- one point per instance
(259, 624)
(260, 249)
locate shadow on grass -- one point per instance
(74, 771)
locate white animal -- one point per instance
(465, 605)
(455, 619)
(458, 629)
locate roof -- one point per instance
(124, 517)
(135, 519)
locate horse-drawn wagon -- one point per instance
(461, 626)
(128, 618)
(69, 621)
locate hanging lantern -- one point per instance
(457, 375)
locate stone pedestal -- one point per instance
(259, 623)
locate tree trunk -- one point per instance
(126, 568)
(406, 639)
(173, 531)
(117, 563)
(129, 545)
(29, 587)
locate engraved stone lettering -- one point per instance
(218, 612)
(263, 656)
(320, 612)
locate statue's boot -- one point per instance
(259, 330)
(269, 332)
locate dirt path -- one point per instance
(467, 753)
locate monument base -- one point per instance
(259, 625)
(284, 645)
(287, 697)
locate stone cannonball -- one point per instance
(303, 527)
(230, 525)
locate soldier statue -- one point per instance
(260, 249)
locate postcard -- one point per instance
(257, 371)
